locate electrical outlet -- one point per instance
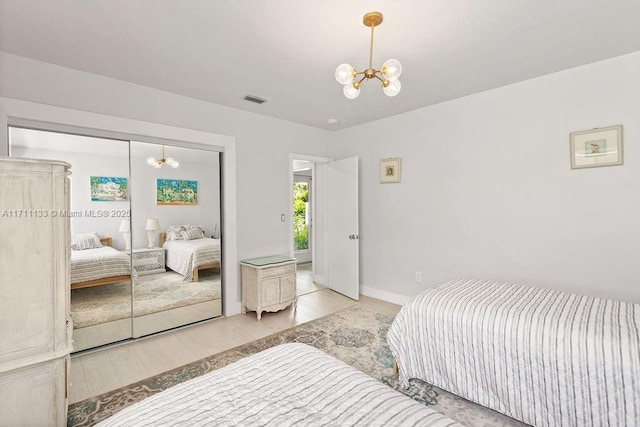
(418, 276)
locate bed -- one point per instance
(94, 262)
(541, 356)
(290, 384)
(189, 251)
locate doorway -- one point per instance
(332, 225)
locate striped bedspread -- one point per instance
(291, 384)
(185, 255)
(547, 358)
(92, 264)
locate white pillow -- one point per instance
(80, 242)
(173, 232)
(193, 233)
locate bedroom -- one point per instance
(513, 210)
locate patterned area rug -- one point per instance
(153, 293)
(355, 335)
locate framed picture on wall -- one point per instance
(176, 192)
(108, 189)
(390, 170)
(596, 147)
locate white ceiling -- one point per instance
(287, 50)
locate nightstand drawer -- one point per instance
(148, 261)
(279, 271)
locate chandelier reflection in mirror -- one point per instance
(349, 77)
(157, 163)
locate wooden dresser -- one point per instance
(268, 284)
(35, 327)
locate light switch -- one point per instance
(282, 217)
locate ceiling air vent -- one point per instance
(256, 99)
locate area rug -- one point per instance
(152, 293)
(355, 335)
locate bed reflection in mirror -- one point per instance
(175, 236)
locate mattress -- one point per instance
(542, 356)
(92, 264)
(183, 256)
(291, 384)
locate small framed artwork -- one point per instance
(390, 170)
(176, 192)
(596, 147)
(108, 189)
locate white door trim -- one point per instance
(314, 205)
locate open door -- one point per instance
(341, 226)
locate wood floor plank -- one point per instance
(99, 373)
(78, 385)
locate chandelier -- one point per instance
(348, 76)
(157, 163)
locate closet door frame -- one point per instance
(19, 113)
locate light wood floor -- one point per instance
(97, 372)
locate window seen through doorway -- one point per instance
(301, 216)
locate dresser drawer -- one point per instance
(279, 270)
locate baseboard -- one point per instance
(384, 295)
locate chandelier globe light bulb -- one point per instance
(350, 91)
(391, 69)
(392, 88)
(344, 74)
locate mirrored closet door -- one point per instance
(175, 226)
(145, 239)
(101, 303)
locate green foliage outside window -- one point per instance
(300, 229)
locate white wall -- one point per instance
(487, 190)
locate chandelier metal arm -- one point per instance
(357, 84)
(378, 77)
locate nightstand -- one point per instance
(268, 284)
(148, 260)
